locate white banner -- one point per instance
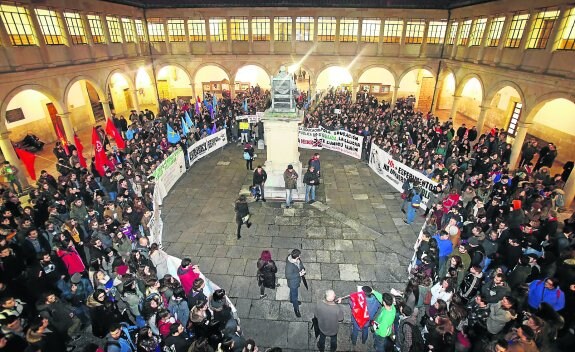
(251, 118)
(339, 141)
(207, 145)
(395, 173)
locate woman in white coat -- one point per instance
(160, 260)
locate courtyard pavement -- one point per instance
(354, 235)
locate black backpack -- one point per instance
(417, 343)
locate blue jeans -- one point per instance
(309, 190)
(293, 293)
(355, 332)
(112, 196)
(381, 344)
(332, 342)
(289, 200)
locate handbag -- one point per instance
(246, 218)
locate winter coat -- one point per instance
(290, 179)
(132, 300)
(187, 277)
(292, 269)
(58, 313)
(160, 260)
(470, 285)
(241, 209)
(310, 178)
(179, 310)
(258, 178)
(71, 260)
(99, 316)
(267, 273)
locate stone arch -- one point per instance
(206, 64)
(446, 86)
(119, 100)
(381, 66)
(329, 66)
(167, 64)
(306, 68)
(99, 90)
(259, 66)
(416, 67)
(459, 86)
(500, 85)
(542, 100)
(419, 82)
(39, 88)
(124, 74)
(78, 113)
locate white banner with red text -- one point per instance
(340, 141)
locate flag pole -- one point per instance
(57, 163)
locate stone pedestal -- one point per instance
(281, 135)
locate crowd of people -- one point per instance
(495, 268)
(77, 260)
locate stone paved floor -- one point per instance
(354, 235)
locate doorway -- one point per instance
(128, 99)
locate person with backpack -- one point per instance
(119, 339)
(249, 156)
(409, 338)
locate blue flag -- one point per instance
(188, 120)
(245, 105)
(185, 127)
(173, 136)
(214, 129)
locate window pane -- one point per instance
(452, 32)
(197, 29)
(478, 30)
(17, 22)
(128, 30)
(176, 31)
(348, 29)
(260, 28)
(304, 29)
(239, 28)
(96, 29)
(51, 27)
(218, 29)
(370, 29)
(75, 27)
(326, 29)
(114, 29)
(495, 30)
(141, 31)
(282, 29)
(392, 28)
(436, 32)
(516, 30)
(542, 28)
(414, 31)
(567, 38)
(464, 34)
(156, 30)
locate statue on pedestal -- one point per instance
(282, 92)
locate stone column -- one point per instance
(135, 101)
(555, 36)
(394, 96)
(8, 52)
(68, 127)
(228, 27)
(11, 156)
(232, 87)
(402, 38)
(272, 35)
(481, 118)
(358, 34)
(293, 34)
(88, 35)
(458, 32)
(106, 107)
(454, 107)
(522, 129)
(250, 36)
(479, 57)
(569, 190)
(39, 35)
(208, 37)
(354, 86)
(435, 98)
(122, 37)
(423, 46)
(380, 38)
(503, 39)
(526, 34)
(337, 36)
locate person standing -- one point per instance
(259, 179)
(413, 205)
(294, 272)
(328, 314)
(290, 180)
(311, 180)
(11, 173)
(267, 270)
(383, 325)
(314, 161)
(242, 214)
(364, 306)
(249, 156)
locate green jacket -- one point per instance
(385, 320)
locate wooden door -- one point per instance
(425, 94)
(56, 120)
(128, 98)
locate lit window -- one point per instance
(282, 29)
(141, 31)
(567, 38)
(516, 30)
(128, 30)
(348, 29)
(514, 120)
(114, 29)
(414, 30)
(51, 27)
(304, 29)
(261, 28)
(239, 29)
(478, 30)
(452, 32)
(218, 29)
(436, 32)
(156, 30)
(176, 30)
(463, 39)
(96, 29)
(542, 27)
(197, 29)
(392, 28)
(370, 28)
(495, 30)
(18, 25)
(326, 27)
(75, 27)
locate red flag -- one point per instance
(359, 310)
(62, 139)
(28, 160)
(80, 148)
(100, 159)
(113, 131)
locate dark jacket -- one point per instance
(311, 178)
(267, 273)
(242, 210)
(258, 178)
(179, 343)
(292, 272)
(470, 285)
